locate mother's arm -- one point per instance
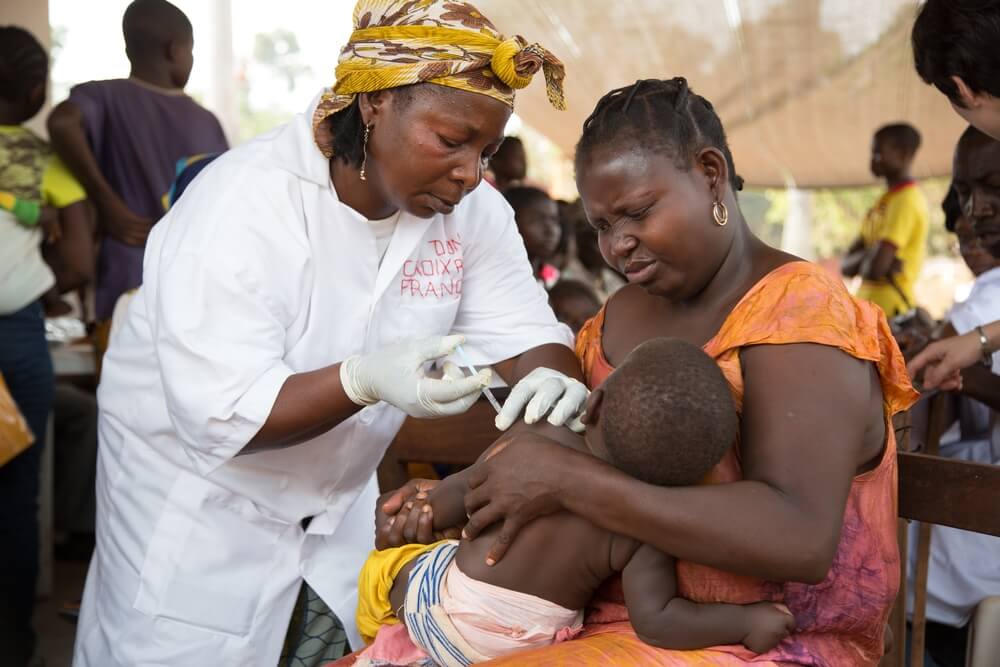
(805, 416)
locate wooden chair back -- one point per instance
(935, 491)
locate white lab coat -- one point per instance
(259, 272)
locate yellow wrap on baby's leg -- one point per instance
(376, 579)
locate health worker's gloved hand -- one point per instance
(396, 375)
(542, 390)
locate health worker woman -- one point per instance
(292, 300)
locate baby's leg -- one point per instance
(397, 594)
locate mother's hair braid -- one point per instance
(663, 115)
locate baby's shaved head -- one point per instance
(667, 416)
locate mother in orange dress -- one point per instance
(803, 509)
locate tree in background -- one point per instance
(279, 50)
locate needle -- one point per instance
(472, 369)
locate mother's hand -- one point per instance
(523, 479)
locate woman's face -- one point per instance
(428, 146)
(654, 221)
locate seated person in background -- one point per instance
(537, 217)
(574, 303)
(588, 265)
(666, 416)
(889, 252)
(964, 566)
(915, 329)
(509, 164)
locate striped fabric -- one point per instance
(428, 625)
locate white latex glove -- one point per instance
(396, 375)
(540, 390)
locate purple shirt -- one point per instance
(138, 133)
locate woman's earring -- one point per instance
(720, 213)
(364, 151)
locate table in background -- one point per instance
(74, 362)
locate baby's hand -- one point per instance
(767, 624)
(395, 509)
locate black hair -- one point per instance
(663, 115)
(565, 289)
(566, 294)
(901, 135)
(23, 63)
(958, 38)
(524, 195)
(506, 165)
(952, 208)
(347, 127)
(149, 25)
(507, 144)
(667, 415)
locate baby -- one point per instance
(665, 416)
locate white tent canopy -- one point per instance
(800, 85)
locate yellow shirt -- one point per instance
(901, 218)
(29, 171)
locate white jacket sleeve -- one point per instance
(220, 344)
(503, 311)
(229, 270)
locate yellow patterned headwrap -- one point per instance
(402, 42)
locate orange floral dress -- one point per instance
(841, 621)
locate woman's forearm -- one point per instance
(743, 527)
(308, 405)
(557, 357)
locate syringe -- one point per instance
(472, 369)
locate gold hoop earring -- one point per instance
(720, 213)
(364, 151)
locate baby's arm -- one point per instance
(660, 618)
(429, 514)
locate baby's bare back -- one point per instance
(561, 558)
